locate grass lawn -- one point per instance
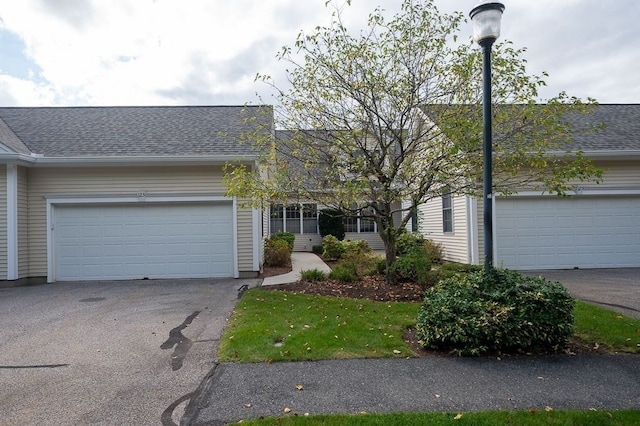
(279, 326)
(608, 329)
(488, 418)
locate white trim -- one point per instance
(110, 199)
(580, 191)
(472, 229)
(256, 235)
(234, 213)
(494, 233)
(12, 222)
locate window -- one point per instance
(309, 219)
(294, 218)
(292, 223)
(447, 212)
(277, 215)
(360, 223)
(367, 224)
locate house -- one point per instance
(108, 193)
(597, 226)
(299, 215)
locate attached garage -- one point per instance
(116, 241)
(563, 233)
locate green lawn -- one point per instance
(608, 329)
(279, 326)
(488, 418)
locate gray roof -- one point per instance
(620, 122)
(621, 129)
(133, 131)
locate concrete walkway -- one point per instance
(300, 261)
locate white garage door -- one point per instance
(113, 242)
(561, 233)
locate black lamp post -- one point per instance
(486, 29)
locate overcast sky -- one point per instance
(207, 52)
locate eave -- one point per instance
(38, 160)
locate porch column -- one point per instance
(12, 222)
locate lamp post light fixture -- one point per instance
(486, 29)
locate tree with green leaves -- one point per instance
(394, 114)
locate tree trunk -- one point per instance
(389, 240)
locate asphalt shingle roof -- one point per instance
(621, 131)
(133, 131)
(621, 123)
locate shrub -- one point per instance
(364, 263)
(332, 248)
(313, 275)
(448, 270)
(276, 252)
(355, 247)
(433, 251)
(317, 249)
(504, 312)
(413, 266)
(407, 242)
(343, 273)
(289, 237)
(330, 223)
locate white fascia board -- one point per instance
(610, 154)
(580, 190)
(16, 158)
(38, 160)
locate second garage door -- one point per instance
(112, 242)
(562, 233)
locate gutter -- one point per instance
(40, 160)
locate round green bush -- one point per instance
(333, 248)
(503, 312)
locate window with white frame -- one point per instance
(277, 218)
(294, 218)
(362, 222)
(309, 219)
(447, 212)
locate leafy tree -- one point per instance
(393, 113)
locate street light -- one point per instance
(486, 29)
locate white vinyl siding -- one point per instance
(23, 223)
(430, 220)
(122, 181)
(3, 222)
(245, 240)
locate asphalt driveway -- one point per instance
(617, 289)
(108, 352)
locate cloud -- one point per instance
(123, 52)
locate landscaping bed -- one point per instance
(376, 289)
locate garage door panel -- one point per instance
(138, 241)
(585, 232)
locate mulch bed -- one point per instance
(376, 289)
